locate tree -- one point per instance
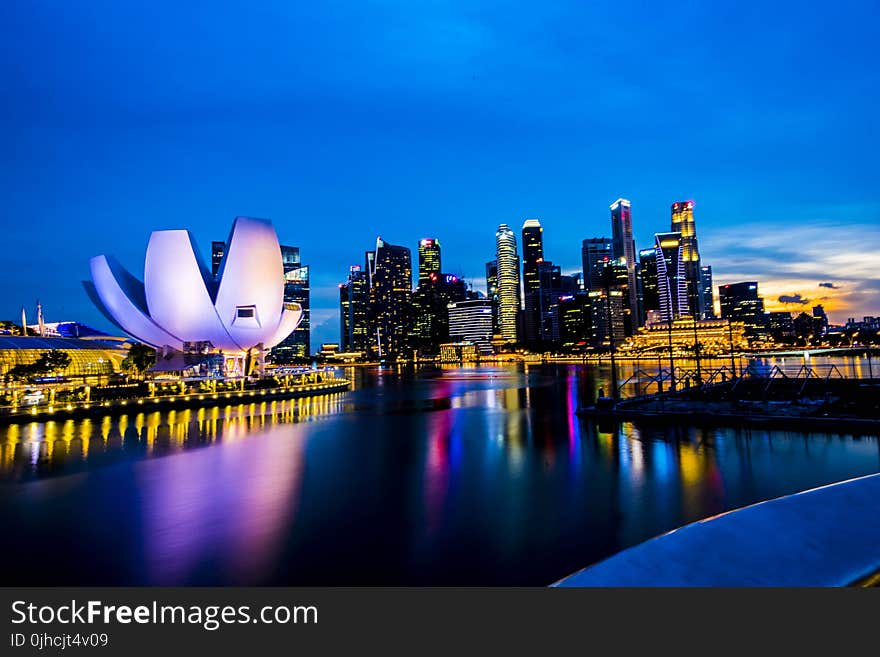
(140, 358)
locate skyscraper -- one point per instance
(533, 258)
(492, 293)
(671, 282)
(390, 281)
(596, 252)
(429, 258)
(217, 251)
(623, 246)
(683, 222)
(508, 282)
(430, 311)
(708, 292)
(741, 302)
(471, 321)
(354, 300)
(648, 273)
(297, 345)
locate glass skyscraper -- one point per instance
(297, 345)
(354, 301)
(671, 281)
(623, 247)
(708, 292)
(389, 271)
(508, 282)
(596, 252)
(683, 222)
(471, 321)
(429, 258)
(533, 261)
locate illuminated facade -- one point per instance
(471, 321)
(671, 279)
(508, 283)
(179, 306)
(741, 302)
(707, 291)
(648, 276)
(715, 336)
(298, 344)
(624, 250)
(492, 293)
(596, 252)
(533, 259)
(430, 312)
(88, 357)
(683, 222)
(389, 273)
(354, 304)
(459, 352)
(429, 258)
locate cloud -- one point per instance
(793, 298)
(830, 286)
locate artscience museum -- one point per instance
(179, 307)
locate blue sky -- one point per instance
(343, 121)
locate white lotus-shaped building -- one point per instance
(180, 305)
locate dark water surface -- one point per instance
(458, 476)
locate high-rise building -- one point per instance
(544, 301)
(297, 345)
(648, 274)
(354, 302)
(683, 222)
(390, 281)
(596, 252)
(429, 258)
(492, 293)
(741, 302)
(217, 251)
(671, 280)
(707, 291)
(575, 322)
(533, 258)
(508, 282)
(471, 321)
(623, 247)
(430, 311)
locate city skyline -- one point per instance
(435, 142)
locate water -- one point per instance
(455, 476)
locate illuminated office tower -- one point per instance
(683, 222)
(430, 313)
(297, 345)
(708, 293)
(390, 279)
(354, 301)
(508, 282)
(740, 302)
(492, 293)
(623, 246)
(671, 282)
(596, 252)
(217, 251)
(429, 258)
(471, 321)
(648, 274)
(533, 258)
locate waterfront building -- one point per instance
(471, 321)
(671, 279)
(683, 222)
(297, 345)
(707, 291)
(596, 252)
(607, 318)
(389, 272)
(89, 357)
(508, 283)
(780, 324)
(180, 307)
(623, 249)
(741, 302)
(354, 307)
(429, 258)
(715, 336)
(430, 311)
(459, 352)
(574, 321)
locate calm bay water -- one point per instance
(453, 476)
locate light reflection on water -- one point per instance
(456, 476)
